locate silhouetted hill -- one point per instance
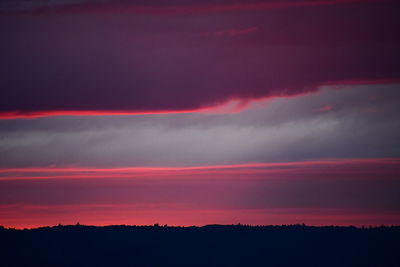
(212, 245)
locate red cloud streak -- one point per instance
(346, 167)
(232, 105)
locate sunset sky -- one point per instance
(193, 112)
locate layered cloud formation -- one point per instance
(325, 158)
(259, 112)
(361, 122)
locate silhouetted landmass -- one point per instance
(212, 245)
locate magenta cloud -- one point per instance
(109, 63)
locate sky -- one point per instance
(199, 112)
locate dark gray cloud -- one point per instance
(137, 62)
(159, 7)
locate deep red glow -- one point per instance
(254, 193)
(102, 215)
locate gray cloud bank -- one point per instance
(351, 122)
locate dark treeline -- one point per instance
(212, 245)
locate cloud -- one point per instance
(277, 130)
(233, 32)
(278, 161)
(111, 63)
(158, 7)
(325, 108)
(13, 6)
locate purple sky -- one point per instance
(259, 112)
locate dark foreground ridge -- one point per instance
(212, 245)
